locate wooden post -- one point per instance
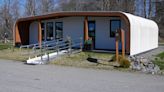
(39, 33)
(17, 38)
(86, 28)
(123, 42)
(117, 47)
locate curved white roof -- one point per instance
(143, 34)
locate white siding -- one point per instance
(103, 39)
(143, 34)
(33, 33)
(72, 26)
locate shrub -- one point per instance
(125, 63)
(113, 58)
(161, 55)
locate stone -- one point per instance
(143, 64)
(156, 69)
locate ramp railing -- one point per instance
(65, 47)
(29, 49)
(60, 47)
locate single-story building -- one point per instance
(140, 34)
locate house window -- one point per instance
(43, 31)
(114, 25)
(91, 28)
(49, 31)
(58, 30)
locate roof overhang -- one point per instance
(70, 14)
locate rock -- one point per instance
(156, 69)
(143, 64)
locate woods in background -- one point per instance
(11, 10)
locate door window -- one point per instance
(91, 29)
(114, 25)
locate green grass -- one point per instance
(159, 60)
(13, 54)
(161, 55)
(79, 60)
(75, 60)
(4, 46)
(160, 64)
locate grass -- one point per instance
(159, 60)
(75, 60)
(161, 55)
(7, 51)
(80, 60)
(12, 55)
(4, 46)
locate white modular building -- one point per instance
(140, 34)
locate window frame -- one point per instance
(56, 33)
(43, 31)
(93, 31)
(47, 31)
(112, 36)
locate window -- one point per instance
(43, 31)
(114, 25)
(58, 30)
(91, 28)
(91, 31)
(49, 31)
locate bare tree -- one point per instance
(144, 8)
(150, 9)
(9, 13)
(15, 9)
(46, 6)
(6, 17)
(159, 18)
(68, 5)
(30, 7)
(128, 6)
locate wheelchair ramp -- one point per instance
(51, 50)
(46, 58)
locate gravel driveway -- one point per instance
(151, 53)
(18, 77)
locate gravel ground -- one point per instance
(18, 77)
(152, 53)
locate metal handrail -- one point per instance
(37, 44)
(54, 46)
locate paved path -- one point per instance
(18, 77)
(151, 53)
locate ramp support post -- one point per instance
(123, 42)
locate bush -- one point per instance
(88, 44)
(161, 55)
(123, 62)
(114, 58)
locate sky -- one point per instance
(138, 11)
